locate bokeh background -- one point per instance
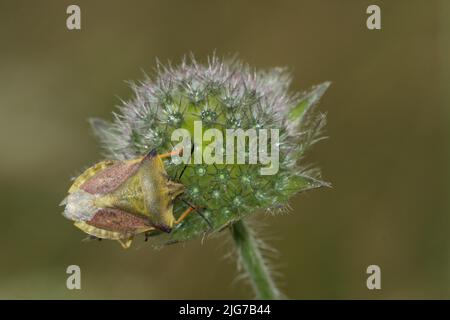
(387, 155)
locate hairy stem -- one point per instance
(253, 262)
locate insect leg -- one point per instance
(184, 215)
(126, 243)
(192, 207)
(91, 238)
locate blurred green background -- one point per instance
(387, 155)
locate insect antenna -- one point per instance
(182, 171)
(185, 165)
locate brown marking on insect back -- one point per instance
(120, 221)
(110, 178)
(90, 172)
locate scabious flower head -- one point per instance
(222, 94)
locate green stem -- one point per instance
(253, 262)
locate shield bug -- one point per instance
(120, 199)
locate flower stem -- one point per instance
(253, 262)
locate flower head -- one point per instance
(221, 95)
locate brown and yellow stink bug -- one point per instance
(120, 199)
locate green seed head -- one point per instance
(222, 95)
